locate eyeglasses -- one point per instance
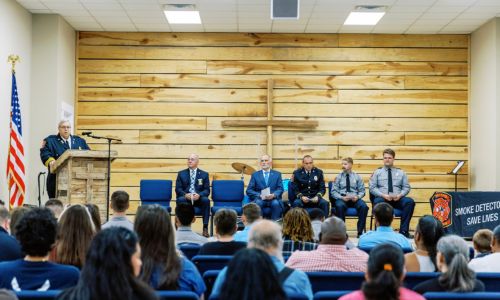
(65, 127)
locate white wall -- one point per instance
(484, 107)
(15, 35)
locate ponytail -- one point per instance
(384, 286)
(458, 277)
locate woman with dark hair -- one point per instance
(163, 267)
(298, 233)
(75, 231)
(260, 279)
(111, 268)
(452, 261)
(95, 214)
(428, 232)
(384, 276)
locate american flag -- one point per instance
(15, 161)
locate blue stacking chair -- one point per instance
(369, 249)
(189, 249)
(156, 191)
(414, 278)
(335, 281)
(397, 212)
(351, 212)
(210, 262)
(227, 194)
(491, 281)
(290, 296)
(209, 278)
(330, 295)
(178, 295)
(39, 295)
(464, 296)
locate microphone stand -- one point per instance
(109, 140)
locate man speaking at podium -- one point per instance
(54, 146)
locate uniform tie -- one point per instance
(193, 178)
(389, 180)
(347, 183)
(67, 144)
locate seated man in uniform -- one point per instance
(309, 185)
(348, 190)
(390, 184)
(54, 146)
(265, 189)
(193, 186)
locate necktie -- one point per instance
(67, 144)
(347, 183)
(266, 177)
(193, 178)
(389, 180)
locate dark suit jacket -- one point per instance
(11, 250)
(201, 185)
(257, 183)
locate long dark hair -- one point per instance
(430, 230)
(259, 280)
(385, 268)
(157, 240)
(108, 271)
(458, 277)
(95, 214)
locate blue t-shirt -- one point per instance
(242, 236)
(383, 234)
(189, 279)
(20, 275)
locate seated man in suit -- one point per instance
(193, 186)
(265, 188)
(309, 186)
(348, 190)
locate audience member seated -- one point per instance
(482, 241)
(56, 206)
(332, 254)
(36, 231)
(225, 227)
(452, 257)
(251, 213)
(111, 268)
(489, 263)
(10, 248)
(259, 269)
(317, 218)
(184, 217)
(74, 234)
(119, 206)
(7, 295)
(163, 268)
(15, 215)
(266, 235)
(384, 276)
(427, 234)
(297, 232)
(95, 214)
(384, 214)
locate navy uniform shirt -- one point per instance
(54, 146)
(309, 185)
(380, 180)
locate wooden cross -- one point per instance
(90, 176)
(270, 123)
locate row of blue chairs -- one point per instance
(52, 294)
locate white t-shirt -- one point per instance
(488, 263)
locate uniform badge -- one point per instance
(200, 181)
(315, 178)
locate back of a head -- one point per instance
(120, 201)
(55, 205)
(482, 240)
(455, 252)
(17, 214)
(184, 212)
(385, 271)
(496, 237)
(297, 225)
(265, 235)
(4, 215)
(252, 212)
(36, 231)
(225, 221)
(384, 214)
(333, 232)
(95, 214)
(430, 231)
(259, 281)
(316, 214)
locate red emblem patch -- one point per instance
(442, 208)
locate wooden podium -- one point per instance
(82, 177)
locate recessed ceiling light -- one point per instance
(182, 14)
(365, 15)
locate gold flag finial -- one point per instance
(13, 59)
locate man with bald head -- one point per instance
(331, 254)
(266, 235)
(193, 186)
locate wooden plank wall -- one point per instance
(165, 95)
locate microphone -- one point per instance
(87, 133)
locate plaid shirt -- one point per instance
(290, 246)
(329, 258)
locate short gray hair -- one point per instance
(265, 234)
(4, 214)
(62, 122)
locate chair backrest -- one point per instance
(330, 196)
(45, 295)
(228, 192)
(190, 250)
(291, 192)
(210, 262)
(156, 191)
(491, 281)
(467, 296)
(330, 295)
(209, 278)
(414, 278)
(290, 296)
(180, 295)
(335, 281)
